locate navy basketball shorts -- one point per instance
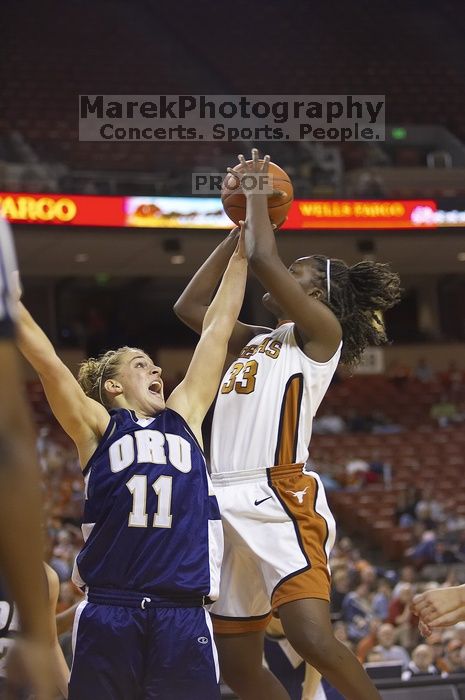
(129, 653)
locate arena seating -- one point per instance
(421, 455)
(39, 97)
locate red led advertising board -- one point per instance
(207, 213)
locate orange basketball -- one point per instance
(234, 202)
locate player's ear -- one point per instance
(113, 387)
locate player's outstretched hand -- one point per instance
(254, 166)
(440, 607)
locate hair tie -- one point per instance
(328, 279)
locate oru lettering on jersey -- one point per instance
(149, 446)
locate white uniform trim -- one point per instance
(77, 617)
(214, 650)
(239, 477)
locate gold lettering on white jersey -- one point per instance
(271, 348)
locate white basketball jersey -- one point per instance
(266, 403)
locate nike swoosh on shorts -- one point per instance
(257, 503)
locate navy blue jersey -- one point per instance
(151, 523)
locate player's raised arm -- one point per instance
(193, 397)
(318, 326)
(193, 303)
(84, 419)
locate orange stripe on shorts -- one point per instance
(298, 494)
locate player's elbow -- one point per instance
(180, 308)
(189, 314)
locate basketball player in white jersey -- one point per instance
(20, 539)
(278, 528)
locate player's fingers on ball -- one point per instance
(242, 160)
(255, 156)
(266, 163)
(233, 173)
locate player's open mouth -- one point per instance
(155, 387)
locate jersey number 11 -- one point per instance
(137, 486)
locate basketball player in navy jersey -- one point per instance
(152, 528)
(20, 517)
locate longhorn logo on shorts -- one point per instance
(299, 495)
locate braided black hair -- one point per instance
(357, 295)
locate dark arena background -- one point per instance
(109, 230)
